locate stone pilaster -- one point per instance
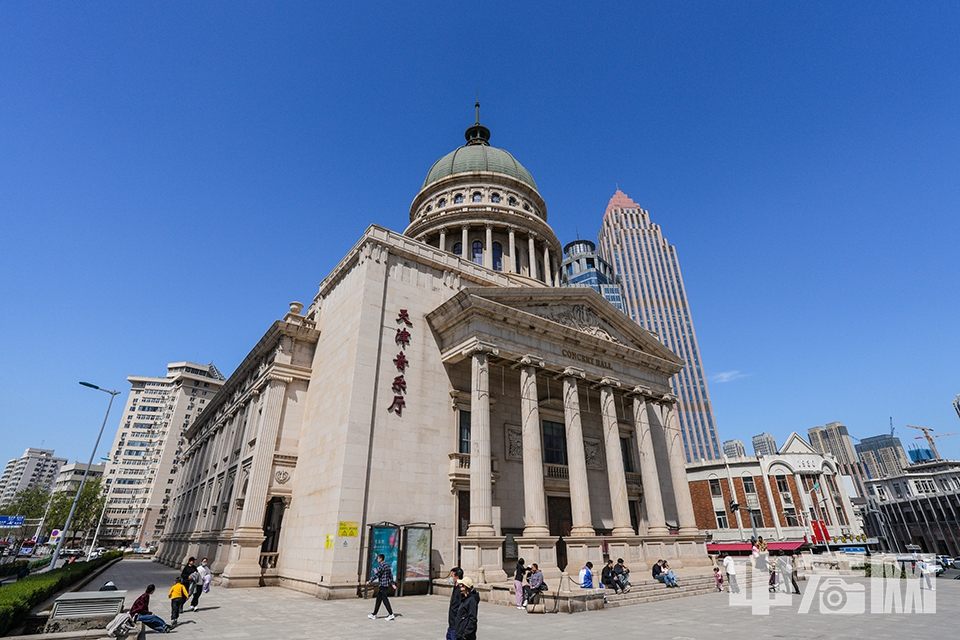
(443, 240)
(488, 248)
(465, 252)
(513, 250)
(547, 275)
(532, 256)
(243, 568)
(481, 492)
(576, 458)
(656, 522)
(534, 497)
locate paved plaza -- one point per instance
(281, 613)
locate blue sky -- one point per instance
(172, 175)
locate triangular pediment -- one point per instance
(582, 309)
(796, 444)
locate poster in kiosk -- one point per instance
(407, 546)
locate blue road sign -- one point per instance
(9, 522)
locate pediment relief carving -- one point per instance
(579, 317)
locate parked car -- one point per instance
(955, 563)
(944, 562)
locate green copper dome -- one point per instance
(478, 155)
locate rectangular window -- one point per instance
(464, 433)
(756, 517)
(791, 515)
(748, 486)
(715, 490)
(625, 452)
(554, 443)
(782, 485)
(722, 522)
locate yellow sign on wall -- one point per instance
(330, 538)
(348, 529)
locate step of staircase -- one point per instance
(653, 591)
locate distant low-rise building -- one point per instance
(71, 474)
(35, 468)
(795, 496)
(919, 507)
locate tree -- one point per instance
(30, 503)
(88, 508)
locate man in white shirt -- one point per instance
(730, 568)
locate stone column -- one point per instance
(465, 253)
(828, 495)
(513, 250)
(534, 497)
(536, 544)
(443, 239)
(481, 550)
(769, 493)
(547, 275)
(576, 458)
(481, 493)
(616, 476)
(678, 469)
(804, 504)
(243, 569)
(648, 467)
(532, 256)
(488, 248)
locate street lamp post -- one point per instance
(83, 480)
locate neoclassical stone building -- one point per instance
(441, 376)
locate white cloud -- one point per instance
(728, 376)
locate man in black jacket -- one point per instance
(467, 611)
(456, 575)
(607, 577)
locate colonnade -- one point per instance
(536, 530)
(511, 258)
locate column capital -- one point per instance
(465, 225)
(533, 235)
(530, 360)
(641, 391)
(573, 372)
(488, 225)
(478, 346)
(609, 381)
(668, 398)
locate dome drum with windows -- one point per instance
(479, 203)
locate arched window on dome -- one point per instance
(458, 199)
(477, 252)
(458, 248)
(512, 201)
(477, 196)
(429, 208)
(495, 197)
(526, 207)
(497, 256)
(442, 203)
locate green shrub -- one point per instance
(11, 569)
(42, 562)
(18, 598)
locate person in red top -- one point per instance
(140, 612)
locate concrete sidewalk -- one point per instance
(274, 612)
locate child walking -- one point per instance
(718, 576)
(178, 595)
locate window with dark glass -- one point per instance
(497, 256)
(791, 515)
(722, 522)
(625, 453)
(442, 203)
(756, 518)
(477, 197)
(512, 202)
(782, 485)
(715, 489)
(554, 443)
(458, 248)
(463, 434)
(748, 486)
(458, 199)
(477, 252)
(495, 197)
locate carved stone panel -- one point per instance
(514, 446)
(593, 450)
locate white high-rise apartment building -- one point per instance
(71, 475)
(656, 299)
(764, 445)
(146, 449)
(35, 468)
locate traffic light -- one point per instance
(734, 506)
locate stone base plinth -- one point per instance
(581, 549)
(481, 558)
(543, 552)
(630, 548)
(243, 568)
(679, 551)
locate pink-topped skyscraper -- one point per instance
(655, 298)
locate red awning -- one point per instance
(732, 547)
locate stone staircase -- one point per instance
(643, 591)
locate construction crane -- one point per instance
(926, 434)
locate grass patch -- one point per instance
(18, 598)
